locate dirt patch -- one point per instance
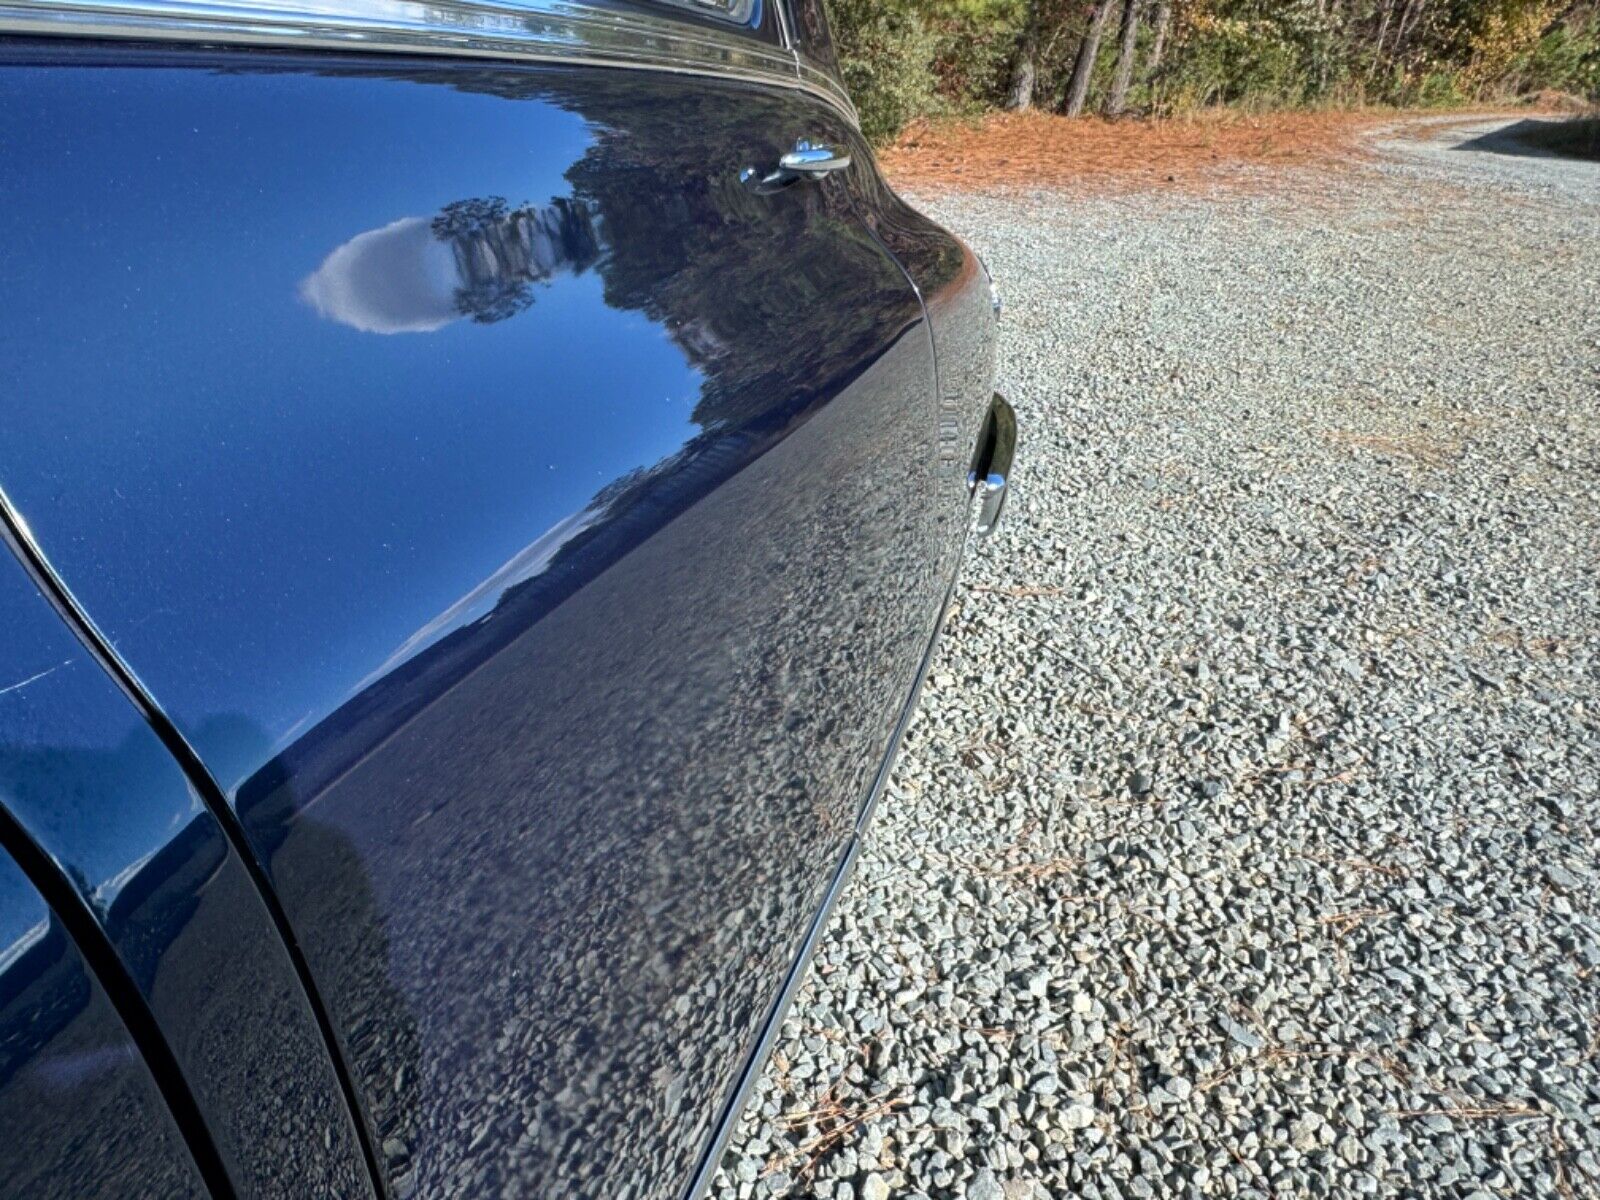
(1011, 150)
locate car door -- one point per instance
(528, 529)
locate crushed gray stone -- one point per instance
(1245, 843)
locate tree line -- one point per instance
(905, 59)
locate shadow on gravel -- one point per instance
(1577, 137)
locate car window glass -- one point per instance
(740, 12)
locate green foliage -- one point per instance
(1439, 89)
(1249, 62)
(975, 42)
(886, 53)
(905, 59)
(1566, 57)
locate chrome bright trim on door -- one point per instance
(544, 31)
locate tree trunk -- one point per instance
(1163, 24)
(1125, 51)
(1408, 24)
(1383, 31)
(1025, 68)
(1088, 51)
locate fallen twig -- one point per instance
(1020, 591)
(1481, 1112)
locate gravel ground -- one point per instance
(1245, 842)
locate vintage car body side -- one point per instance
(527, 536)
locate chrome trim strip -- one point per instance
(819, 83)
(542, 31)
(785, 29)
(733, 1107)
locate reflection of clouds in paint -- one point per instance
(477, 258)
(398, 279)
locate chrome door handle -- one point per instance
(808, 160)
(813, 160)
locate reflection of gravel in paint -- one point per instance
(398, 279)
(760, 734)
(1247, 840)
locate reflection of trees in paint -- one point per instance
(501, 252)
(731, 277)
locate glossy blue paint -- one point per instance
(82, 1115)
(536, 534)
(90, 787)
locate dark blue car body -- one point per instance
(472, 556)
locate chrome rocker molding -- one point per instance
(734, 1105)
(538, 31)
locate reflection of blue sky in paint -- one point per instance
(14, 944)
(480, 602)
(353, 459)
(78, 766)
(494, 485)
